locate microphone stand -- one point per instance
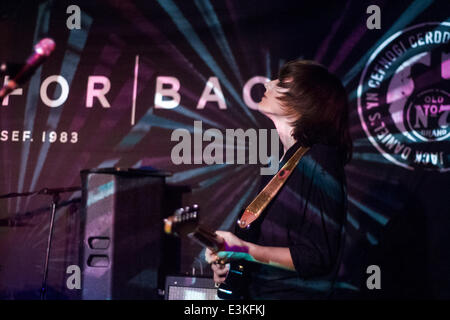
(55, 199)
(11, 69)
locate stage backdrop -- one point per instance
(115, 90)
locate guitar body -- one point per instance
(237, 282)
(184, 223)
(235, 286)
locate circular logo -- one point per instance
(404, 97)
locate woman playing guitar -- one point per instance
(294, 246)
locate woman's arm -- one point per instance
(236, 248)
(274, 256)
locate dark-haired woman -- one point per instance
(294, 247)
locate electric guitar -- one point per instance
(185, 223)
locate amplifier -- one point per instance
(190, 288)
(122, 250)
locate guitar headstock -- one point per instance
(183, 222)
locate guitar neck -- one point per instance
(207, 239)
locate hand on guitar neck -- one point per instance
(222, 246)
(233, 249)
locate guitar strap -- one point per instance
(256, 207)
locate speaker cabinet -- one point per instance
(122, 236)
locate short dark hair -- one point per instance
(318, 101)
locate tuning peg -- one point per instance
(179, 211)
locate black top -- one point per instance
(307, 215)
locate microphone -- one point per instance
(41, 51)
